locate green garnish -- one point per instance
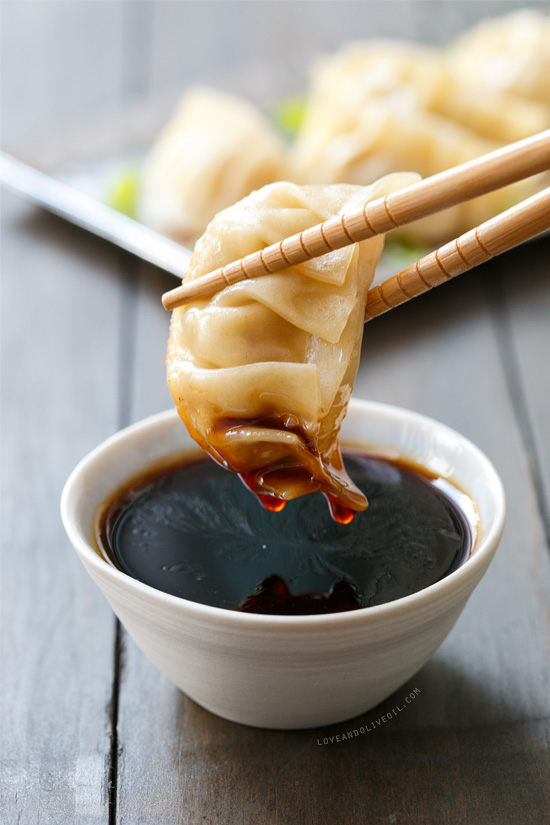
(123, 191)
(288, 115)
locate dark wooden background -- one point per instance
(91, 732)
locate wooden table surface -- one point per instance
(92, 733)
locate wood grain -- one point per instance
(61, 64)
(525, 335)
(59, 397)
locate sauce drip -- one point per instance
(282, 470)
(271, 503)
(339, 512)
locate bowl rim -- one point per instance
(482, 556)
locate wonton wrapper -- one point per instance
(262, 371)
(216, 149)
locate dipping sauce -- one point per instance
(192, 529)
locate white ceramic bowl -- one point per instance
(289, 671)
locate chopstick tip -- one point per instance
(172, 299)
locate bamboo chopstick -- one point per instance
(506, 165)
(518, 224)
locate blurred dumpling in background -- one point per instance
(509, 53)
(373, 108)
(262, 372)
(405, 78)
(379, 106)
(216, 149)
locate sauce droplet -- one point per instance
(339, 512)
(271, 503)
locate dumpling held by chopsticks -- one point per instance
(262, 372)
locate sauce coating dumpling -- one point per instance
(216, 149)
(262, 371)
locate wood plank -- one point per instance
(477, 731)
(59, 394)
(150, 388)
(62, 63)
(525, 330)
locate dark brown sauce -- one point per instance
(273, 596)
(192, 529)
